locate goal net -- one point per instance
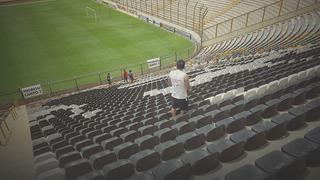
(91, 13)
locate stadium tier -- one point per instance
(297, 31)
(229, 15)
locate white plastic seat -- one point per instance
(302, 75)
(283, 82)
(273, 86)
(229, 95)
(293, 79)
(262, 90)
(251, 93)
(217, 99)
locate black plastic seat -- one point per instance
(147, 142)
(119, 170)
(201, 121)
(191, 140)
(44, 156)
(77, 168)
(134, 126)
(273, 130)
(285, 118)
(201, 161)
(76, 139)
(94, 175)
(312, 91)
(302, 148)
(313, 135)
(100, 159)
(272, 108)
(164, 124)
(299, 96)
(285, 102)
(89, 150)
(46, 165)
(243, 116)
(53, 174)
(209, 107)
(125, 150)
(212, 132)
(256, 114)
(184, 127)
(101, 137)
(145, 160)
(108, 129)
(64, 150)
(142, 176)
(280, 164)
(111, 143)
(69, 157)
(55, 146)
(237, 108)
(180, 118)
(169, 149)
(251, 139)
(298, 121)
(313, 113)
(220, 115)
(148, 129)
(166, 134)
(148, 121)
(172, 170)
(130, 136)
(248, 172)
(250, 103)
(81, 144)
(227, 149)
(232, 125)
(118, 131)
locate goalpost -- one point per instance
(91, 13)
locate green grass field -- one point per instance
(55, 40)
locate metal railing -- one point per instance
(256, 16)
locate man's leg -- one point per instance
(184, 106)
(173, 112)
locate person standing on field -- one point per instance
(130, 75)
(180, 84)
(125, 75)
(109, 79)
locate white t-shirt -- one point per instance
(179, 90)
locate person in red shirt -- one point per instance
(125, 75)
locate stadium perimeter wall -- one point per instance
(184, 32)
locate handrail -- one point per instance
(223, 11)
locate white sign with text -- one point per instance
(154, 63)
(32, 91)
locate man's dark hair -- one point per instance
(180, 64)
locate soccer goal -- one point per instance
(91, 13)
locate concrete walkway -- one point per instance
(16, 158)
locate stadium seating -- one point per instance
(236, 109)
(110, 144)
(288, 33)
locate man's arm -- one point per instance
(169, 81)
(187, 83)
